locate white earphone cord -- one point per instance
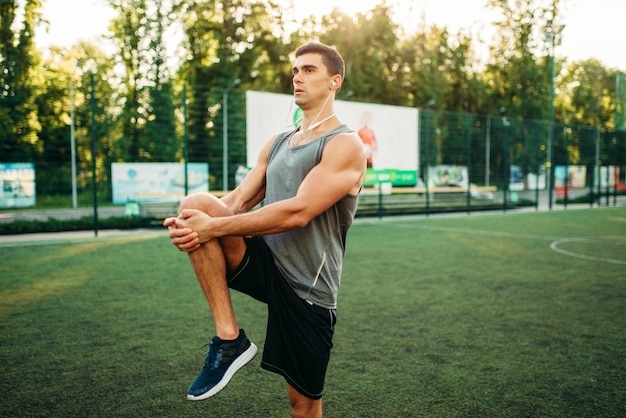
(311, 126)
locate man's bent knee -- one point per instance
(206, 202)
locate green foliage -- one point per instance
(19, 61)
(83, 224)
(588, 198)
(227, 40)
(521, 78)
(372, 56)
(147, 121)
(589, 85)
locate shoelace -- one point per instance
(214, 357)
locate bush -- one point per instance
(580, 199)
(81, 224)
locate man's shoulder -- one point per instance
(348, 140)
(347, 133)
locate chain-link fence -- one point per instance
(466, 162)
(478, 162)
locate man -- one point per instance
(288, 253)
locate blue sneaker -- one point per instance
(223, 360)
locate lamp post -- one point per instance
(73, 146)
(93, 155)
(225, 133)
(501, 110)
(426, 108)
(552, 39)
(73, 138)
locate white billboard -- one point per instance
(157, 182)
(395, 128)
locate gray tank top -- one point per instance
(310, 258)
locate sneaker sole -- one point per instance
(239, 362)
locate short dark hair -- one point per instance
(330, 57)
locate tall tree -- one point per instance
(160, 140)
(521, 80)
(54, 164)
(148, 122)
(369, 45)
(95, 77)
(423, 60)
(18, 62)
(587, 95)
(440, 68)
(221, 35)
(131, 32)
(519, 76)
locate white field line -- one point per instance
(555, 247)
(475, 232)
(554, 241)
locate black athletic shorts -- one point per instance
(299, 335)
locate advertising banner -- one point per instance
(605, 176)
(533, 181)
(397, 178)
(389, 133)
(448, 176)
(18, 185)
(516, 182)
(574, 177)
(157, 182)
(537, 181)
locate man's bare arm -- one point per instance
(251, 191)
(339, 173)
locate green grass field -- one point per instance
(492, 315)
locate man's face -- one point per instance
(311, 82)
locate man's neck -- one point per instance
(313, 118)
